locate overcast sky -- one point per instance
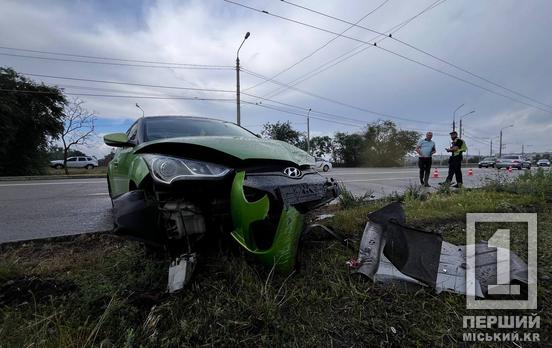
(506, 42)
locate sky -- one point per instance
(163, 43)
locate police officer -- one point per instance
(457, 147)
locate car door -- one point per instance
(81, 162)
(72, 162)
(119, 166)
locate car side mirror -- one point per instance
(117, 140)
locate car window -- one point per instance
(511, 157)
(82, 159)
(172, 127)
(132, 132)
(88, 159)
(488, 159)
(71, 159)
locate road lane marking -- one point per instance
(54, 183)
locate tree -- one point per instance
(55, 152)
(30, 114)
(106, 159)
(78, 127)
(321, 146)
(347, 149)
(385, 145)
(284, 132)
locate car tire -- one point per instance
(480, 166)
(326, 168)
(58, 166)
(89, 166)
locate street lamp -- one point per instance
(138, 106)
(238, 115)
(454, 118)
(471, 112)
(500, 147)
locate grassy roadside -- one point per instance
(103, 291)
(76, 171)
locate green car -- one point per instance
(175, 180)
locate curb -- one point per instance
(52, 177)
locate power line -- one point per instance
(130, 83)
(318, 49)
(418, 50)
(120, 96)
(117, 64)
(110, 58)
(336, 101)
(337, 116)
(392, 52)
(351, 53)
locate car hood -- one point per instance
(244, 148)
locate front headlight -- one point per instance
(168, 169)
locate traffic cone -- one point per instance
(436, 173)
(509, 169)
(470, 172)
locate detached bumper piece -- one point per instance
(281, 251)
(391, 252)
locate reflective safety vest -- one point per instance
(463, 148)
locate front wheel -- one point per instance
(326, 168)
(89, 166)
(58, 166)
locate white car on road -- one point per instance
(76, 162)
(322, 164)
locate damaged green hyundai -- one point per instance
(175, 179)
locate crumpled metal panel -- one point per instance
(391, 252)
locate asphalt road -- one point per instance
(48, 208)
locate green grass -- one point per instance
(103, 291)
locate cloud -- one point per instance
(506, 42)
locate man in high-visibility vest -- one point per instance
(456, 149)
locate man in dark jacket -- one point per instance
(456, 149)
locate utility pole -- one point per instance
(522, 149)
(238, 110)
(454, 118)
(491, 153)
(461, 117)
(500, 146)
(308, 131)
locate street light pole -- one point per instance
(308, 131)
(500, 145)
(454, 118)
(471, 112)
(238, 111)
(138, 106)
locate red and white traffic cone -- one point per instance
(470, 172)
(436, 173)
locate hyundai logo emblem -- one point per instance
(292, 172)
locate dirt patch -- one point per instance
(32, 289)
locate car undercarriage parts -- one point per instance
(391, 252)
(251, 217)
(133, 214)
(182, 219)
(180, 271)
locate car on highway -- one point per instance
(322, 164)
(513, 161)
(543, 163)
(76, 162)
(174, 180)
(487, 162)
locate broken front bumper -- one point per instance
(281, 223)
